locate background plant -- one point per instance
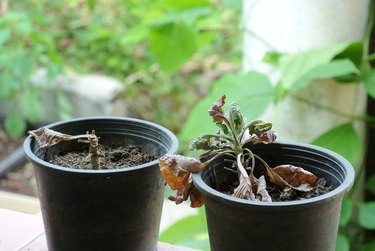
(154, 47)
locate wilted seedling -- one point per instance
(47, 138)
(232, 140)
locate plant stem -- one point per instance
(240, 166)
(228, 152)
(94, 151)
(251, 154)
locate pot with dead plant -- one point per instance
(100, 190)
(260, 194)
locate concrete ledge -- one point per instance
(19, 202)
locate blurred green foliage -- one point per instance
(166, 52)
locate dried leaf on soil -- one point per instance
(293, 176)
(47, 137)
(262, 193)
(252, 188)
(176, 170)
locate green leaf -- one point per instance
(370, 184)
(294, 67)
(190, 231)
(30, 105)
(366, 216)
(4, 35)
(336, 68)
(189, 16)
(134, 35)
(184, 4)
(8, 85)
(252, 90)
(272, 57)
(15, 125)
(342, 243)
(353, 52)
(346, 211)
(369, 83)
(91, 4)
(343, 140)
(23, 68)
(368, 246)
(172, 44)
(235, 117)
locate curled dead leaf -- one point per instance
(47, 137)
(196, 197)
(216, 111)
(176, 170)
(244, 189)
(262, 193)
(296, 177)
(252, 188)
(268, 137)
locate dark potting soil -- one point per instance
(287, 193)
(116, 156)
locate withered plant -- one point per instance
(233, 142)
(47, 138)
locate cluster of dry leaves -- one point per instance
(234, 134)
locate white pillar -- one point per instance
(296, 25)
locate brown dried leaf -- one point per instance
(268, 137)
(183, 191)
(252, 188)
(196, 197)
(216, 110)
(296, 177)
(275, 178)
(244, 189)
(176, 170)
(47, 137)
(262, 193)
(292, 176)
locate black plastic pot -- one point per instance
(309, 225)
(118, 209)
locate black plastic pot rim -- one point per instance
(338, 191)
(41, 162)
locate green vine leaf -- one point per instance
(334, 61)
(336, 68)
(343, 140)
(354, 52)
(369, 83)
(293, 67)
